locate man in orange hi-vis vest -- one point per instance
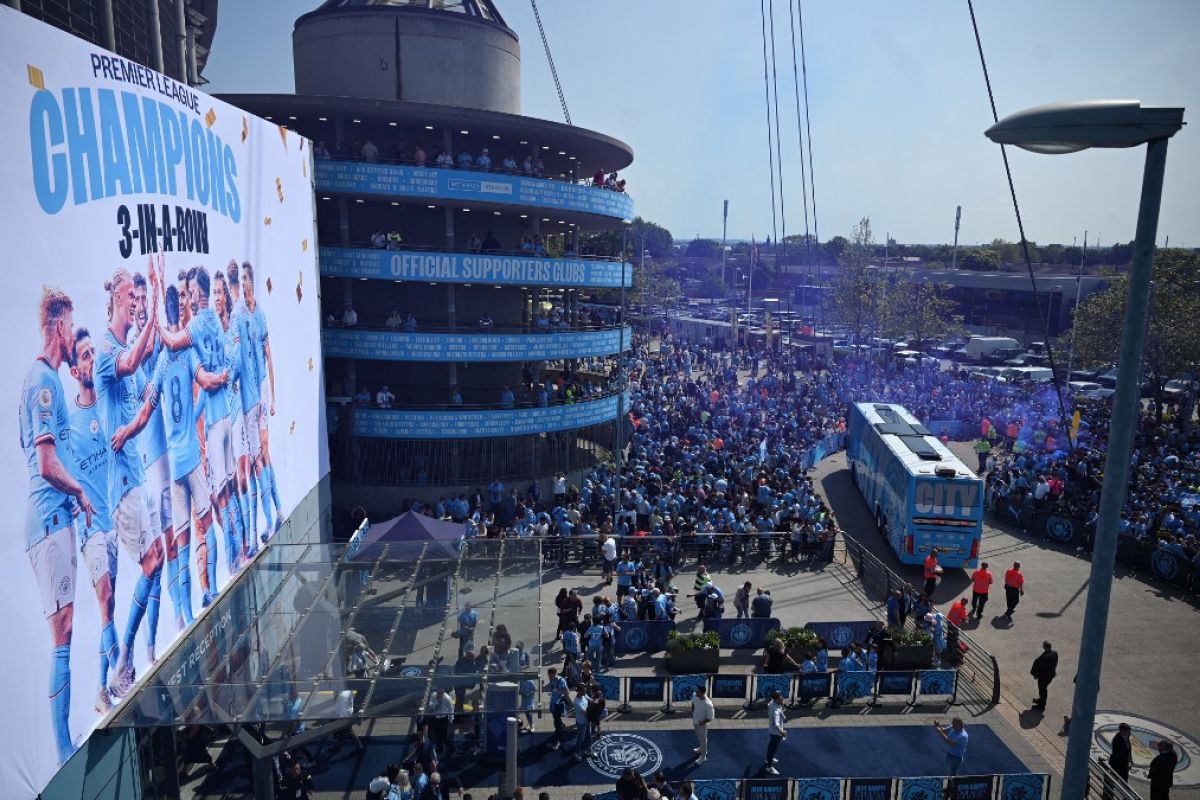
(981, 584)
(1014, 587)
(932, 570)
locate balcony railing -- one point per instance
(473, 345)
(470, 422)
(465, 186)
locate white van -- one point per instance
(980, 347)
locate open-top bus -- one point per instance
(921, 495)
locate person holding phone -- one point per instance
(955, 737)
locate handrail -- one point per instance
(472, 330)
(1104, 782)
(519, 172)
(503, 251)
(516, 405)
(870, 569)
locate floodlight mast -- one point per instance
(1068, 128)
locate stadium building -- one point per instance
(170, 36)
(461, 340)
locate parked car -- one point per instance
(1175, 389)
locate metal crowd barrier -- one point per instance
(908, 687)
(1012, 786)
(976, 666)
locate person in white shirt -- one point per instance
(370, 151)
(439, 711)
(703, 713)
(349, 316)
(385, 398)
(775, 723)
(609, 549)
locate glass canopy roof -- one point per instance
(277, 645)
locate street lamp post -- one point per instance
(1068, 128)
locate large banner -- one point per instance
(404, 424)
(166, 408)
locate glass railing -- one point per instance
(465, 186)
(472, 344)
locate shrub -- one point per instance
(678, 642)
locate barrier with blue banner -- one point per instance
(1025, 786)
(1141, 554)
(767, 685)
(869, 789)
(746, 632)
(826, 447)
(852, 685)
(974, 787)
(684, 686)
(469, 346)
(499, 270)
(841, 634)
(729, 687)
(405, 424)
(936, 682)
(818, 788)
(645, 690)
(610, 685)
(394, 180)
(643, 636)
(814, 685)
(951, 428)
(895, 683)
(766, 789)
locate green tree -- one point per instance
(711, 285)
(917, 310)
(653, 285)
(703, 248)
(658, 241)
(854, 289)
(979, 259)
(1172, 345)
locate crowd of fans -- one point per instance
(1039, 470)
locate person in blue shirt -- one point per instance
(559, 696)
(506, 398)
(570, 639)
(55, 497)
(91, 459)
(822, 656)
(626, 569)
(468, 618)
(595, 643)
(955, 737)
(119, 392)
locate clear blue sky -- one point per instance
(897, 100)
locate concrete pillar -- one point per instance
(107, 26)
(181, 37)
(155, 24)
(264, 779)
(344, 221)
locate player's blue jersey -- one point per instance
(44, 418)
(171, 384)
(119, 400)
(208, 339)
(91, 463)
(256, 338)
(251, 380)
(233, 363)
(153, 438)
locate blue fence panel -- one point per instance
(869, 789)
(729, 687)
(610, 685)
(684, 686)
(840, 634)
(936, 682)
(765, 685)
(850, 685)
(766, 789)
(974, 787)
(893, 683)
(930, 788)
(1032, 786)
(646, 690)
(643, 636)
(744, 632)
(818, 788)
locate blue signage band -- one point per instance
(488, 268)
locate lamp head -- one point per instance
(1080, 124)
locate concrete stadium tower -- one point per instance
(461, 289)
